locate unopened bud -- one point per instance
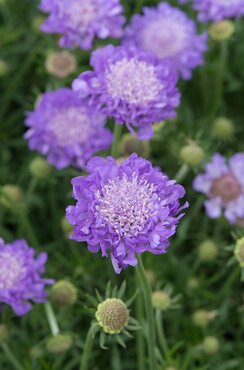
(239, 251)
(161, 300)
(201, 318)
(36, 23)
(223, 128)
(211, 345)
(61, 64)
(63, 293)
(11, 195)
(59, 343)
(66, 226)
(40, 168)
(112, 315)
(207, 251)
(222, 30)
(192, 283)
(192, 154)
(130, 144)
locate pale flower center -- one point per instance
(11, 270)
(227, 187)
(163, 38)
(70, 127)
(133, 81)
(80, 13)
(127, 204)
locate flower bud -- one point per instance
(239, 251)
(61, 64)
(66, 226)
(40, 168)
(161, 300)
(4, 333)
(3, 68)
(207, 251)
(112, 315)
(130, 144)
(192, 283)
(221, 31)
(12, 195)
(36, 23)
(36, 352)
(223, 128)
(59, 343)
(211, 345)
(201, 318)
(192, 154)
(63, 293)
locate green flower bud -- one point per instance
(40, 168)
(66, 226)
(36, 23)
(211, 345)
(63, 293)
(201, 318)
(221, 31)
(239, 251)
(4, 333)
(3, 68)
(12, 195)
(192, 154)
(112, 315)
(59, 344)
(130, 144)
(161, 300)
(223, 128)
(207, 251)
(192, 283)
(36, 352)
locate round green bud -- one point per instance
(207, 251)
(40, 168)
(239, 251)
(192, 283)
(130, 144)
(112, 315)
(211, 345)
(63, 293)
(161, 300)
(192, 154)
(4, 333)
(36, 352)
(59, 343)
(66, 226)
(223, 128)
(3, 68)
(221, 31)
(201, 318)
(12, 195)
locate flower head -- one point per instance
(66, 130)
(223, 184)
(61, 64)
(216, 10)
(112, 315)
(125, 209)
(21, 276)
(167, 33)
(130, 86)
(80, 21)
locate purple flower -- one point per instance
(80, 21)
(21, 276)
(130, 86)
(125, 209)
(223, 184)
(65, 129)
(216, 10)
(167, 33)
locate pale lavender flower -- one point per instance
(80, 21)
(66, 130)
(125, 209)
(223, 184)
(130, 86)
(21, 281)
(216, 10)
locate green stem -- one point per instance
(11, 357)
(117, 133)
(181, 174)
(139, 333)
(88, 346)
(51, 318)
(161, 335)
(151, 337)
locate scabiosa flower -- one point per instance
(80, 21)
(216, 10)
(21, 279)
(167, 33)
(130, 86)
(223, 183)
(125, 209)
(65, 129)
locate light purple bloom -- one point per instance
(131, 86)
(66, 130)
(223, 184)
(125, 209)
(167, 33)
(21, 281)
(216, 10)
(80, 21)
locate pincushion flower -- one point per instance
(80, 21)
(66, 130)
(223, 184)
(167, 33)
(216, 10)
(21, 281)
(125, 209)
(131, 86)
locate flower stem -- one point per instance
(11, 357)
(139, 333)
(51, 318)
(161, 335)
(181, 174)
(88, 346)
(117, 134)
(151, 337)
